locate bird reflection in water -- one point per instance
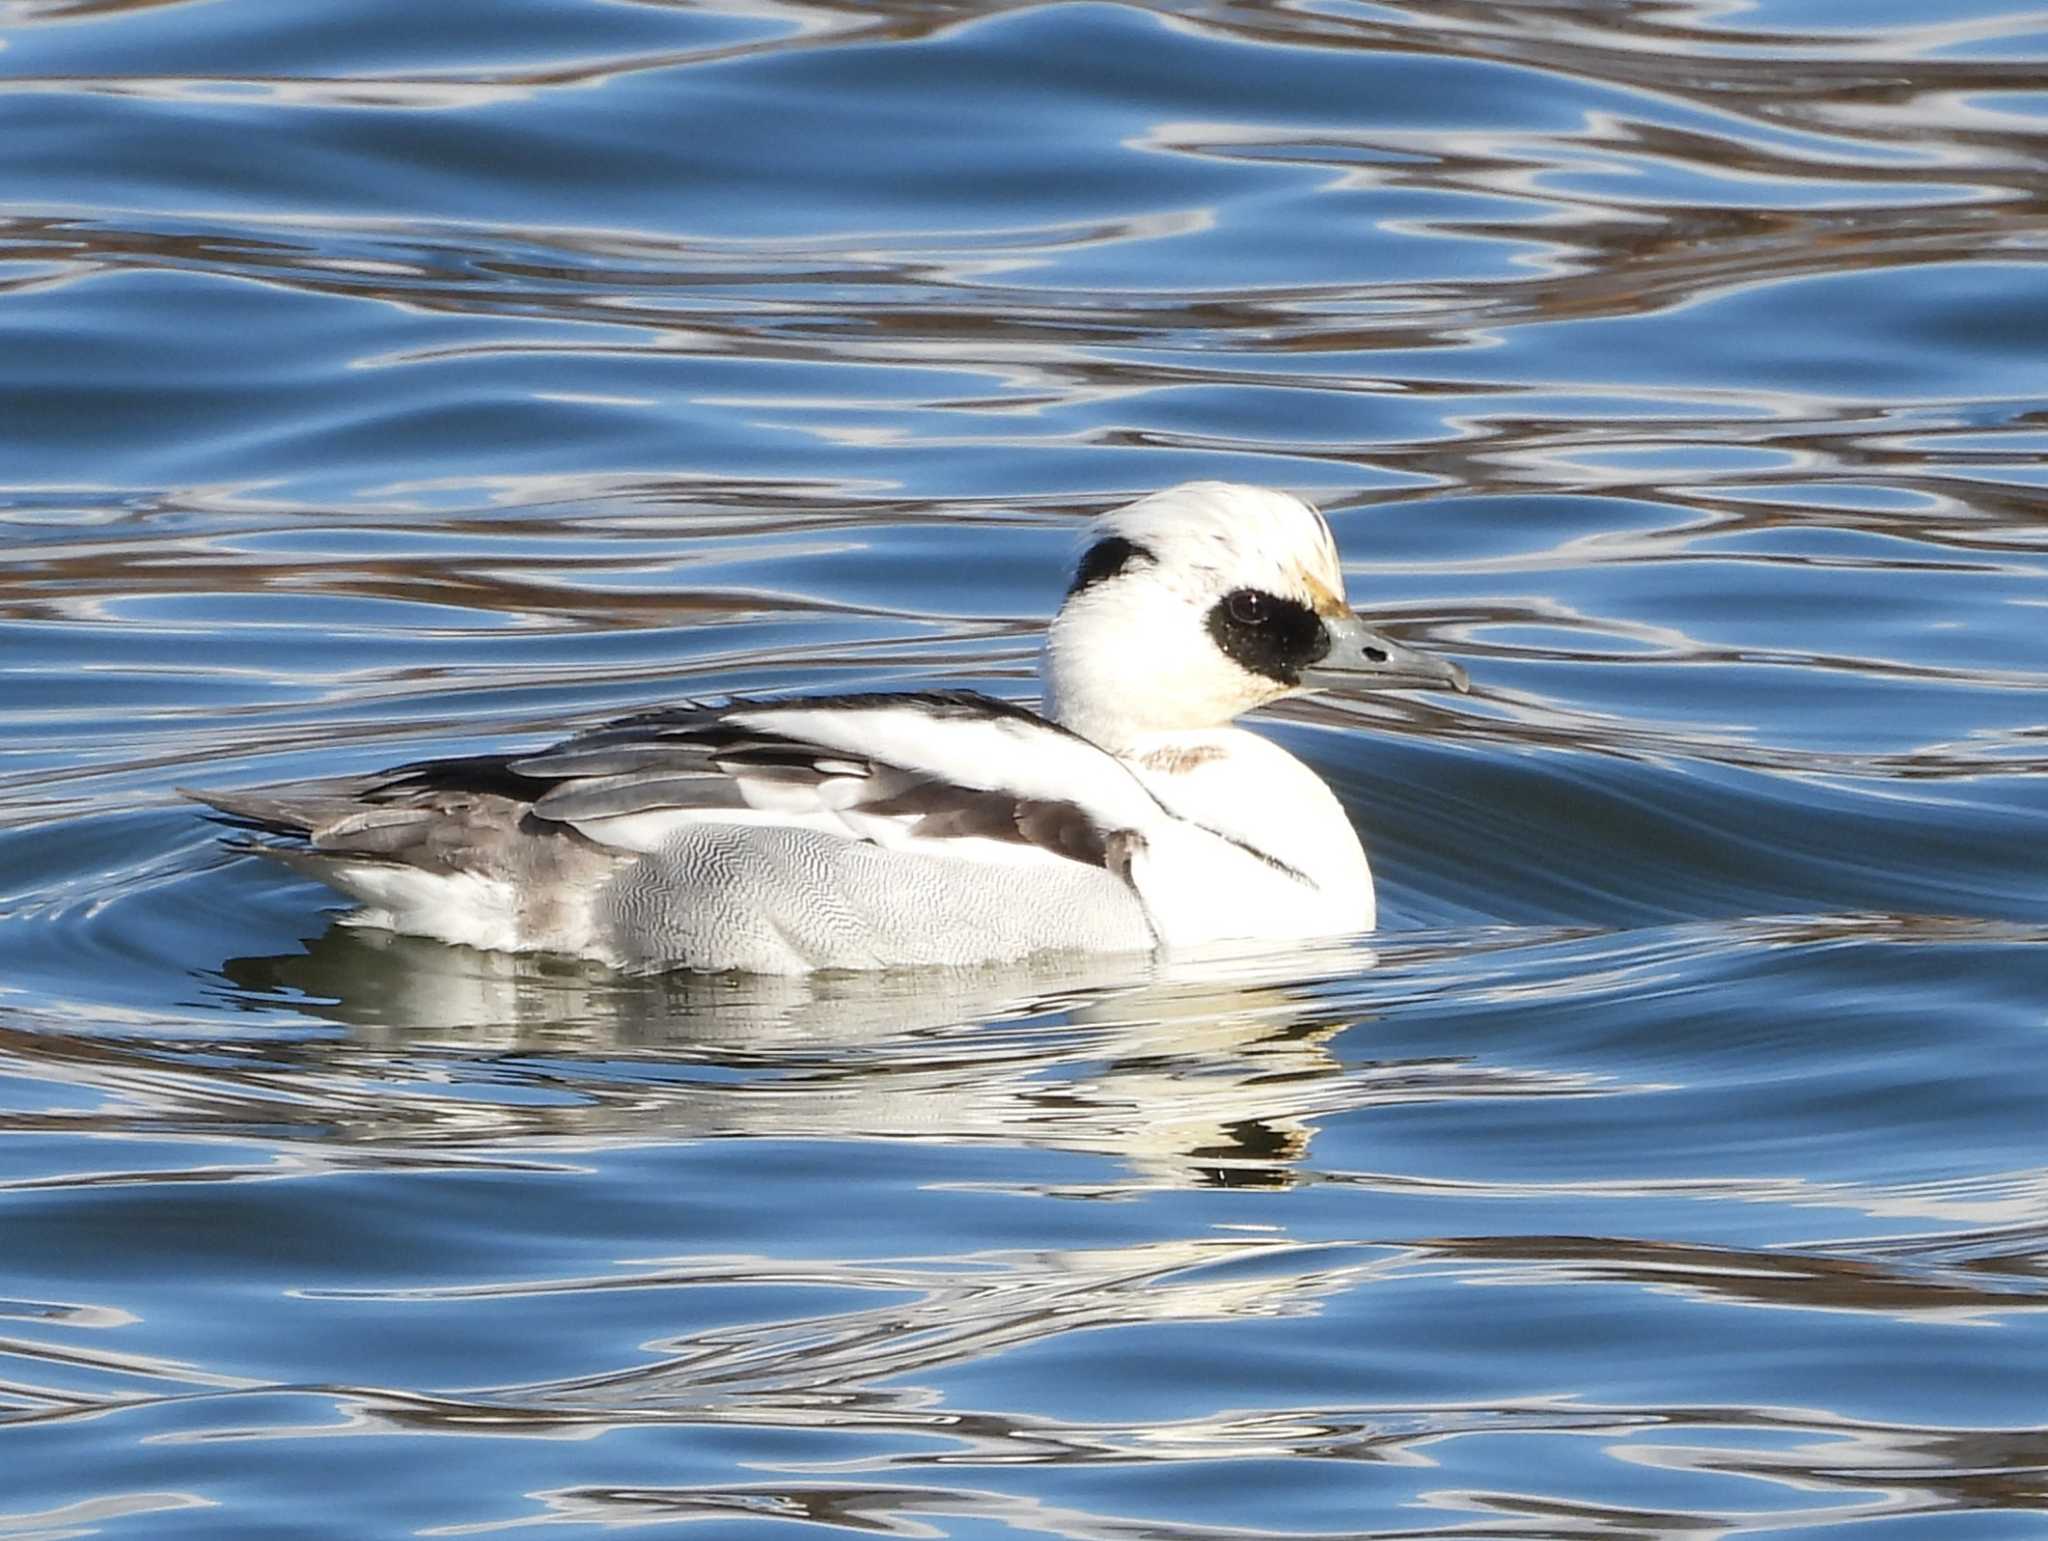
(1203, 1072)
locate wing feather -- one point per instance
(933, 767)
(609, 796)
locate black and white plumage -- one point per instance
(865, 831)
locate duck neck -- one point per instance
(1084, 695)
(1123, 687)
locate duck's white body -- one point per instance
(898, 830)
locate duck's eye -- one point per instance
(1249, 607)
(1267, 634)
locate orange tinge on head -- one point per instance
(1326, 601)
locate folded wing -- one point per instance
(923, 771)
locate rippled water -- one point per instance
(386, 379)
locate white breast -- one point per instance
(1291, 864)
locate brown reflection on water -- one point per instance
(1771, 119)
(1748, 1276)
(74, 582)
(1873, 1474)
(28, 12)
(1808, 169)
(840, 300)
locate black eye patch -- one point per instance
(1104, 560)
(1267, 634)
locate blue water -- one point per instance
(379, 380)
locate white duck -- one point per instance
(876, 831)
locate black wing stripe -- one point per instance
(609, 797)
(947, 812)
(623, 759)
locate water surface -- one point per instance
(384, 380)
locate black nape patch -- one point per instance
(1268, 635)
(1105, 559)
